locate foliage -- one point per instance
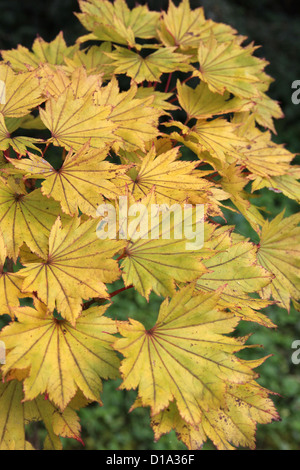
(84, 125)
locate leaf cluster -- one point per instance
(110, 118)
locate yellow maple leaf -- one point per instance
(20, 144)
(218, 137)
(25, 217)
(82, 181)
(160, 251)
(287, 184)
(10, 284)
(234, 267)
(116, 22)
(278, 252)
(69, 358)
(180, 26)
(76, 265)
(73, 122)
(93, 59)
(136, 119)
(229, 67)
(174, 180)
(201, 103)
(257, 152)
(150, 68)
(52, 52)
(233, 182)
(17, 414)
(185, 356)
(22, 92)
(233, 425)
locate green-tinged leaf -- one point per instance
(234, 267)
(201, 103)
(16, 415)
(115, 22)
(93, 59)
(229, 67)
(52, 52)
(279, 253)
(25, 217)
(20, 144)
(287, 184)
(159, 251)
(10, 284)
(60, 358)
(181, 26)
(150, 68)
(185, 356)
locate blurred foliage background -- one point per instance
(275, 25)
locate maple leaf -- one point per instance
(17, 414)
(73, 122)
(12, 423)
(116, 23)
(184, 367)
(10, 284)
(265, 110)
(54, 52)
(20, 144)
(81, 181)
(278, 252)
(75, 266)
(185, 356)
(25, 217)
(235, 424)
(180, 25)
(288, 184)
(150, 68)
(229, 67)
(260, 155)
(61, 359)
(93, 59)
(159, 98)
(136, 119)
(57, 81)
(201, 103)
(156, 254)
(22, 92)
(234, 267)
(218, 137)
(174, 181)
(233, 181)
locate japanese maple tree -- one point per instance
(118, 109)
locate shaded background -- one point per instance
(275, 26)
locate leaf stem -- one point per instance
(116, 292)
(168, 82)
(45, 149)
(184, 81)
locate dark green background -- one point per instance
(276, 26)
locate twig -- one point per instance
(168, 82)
(116, 292)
